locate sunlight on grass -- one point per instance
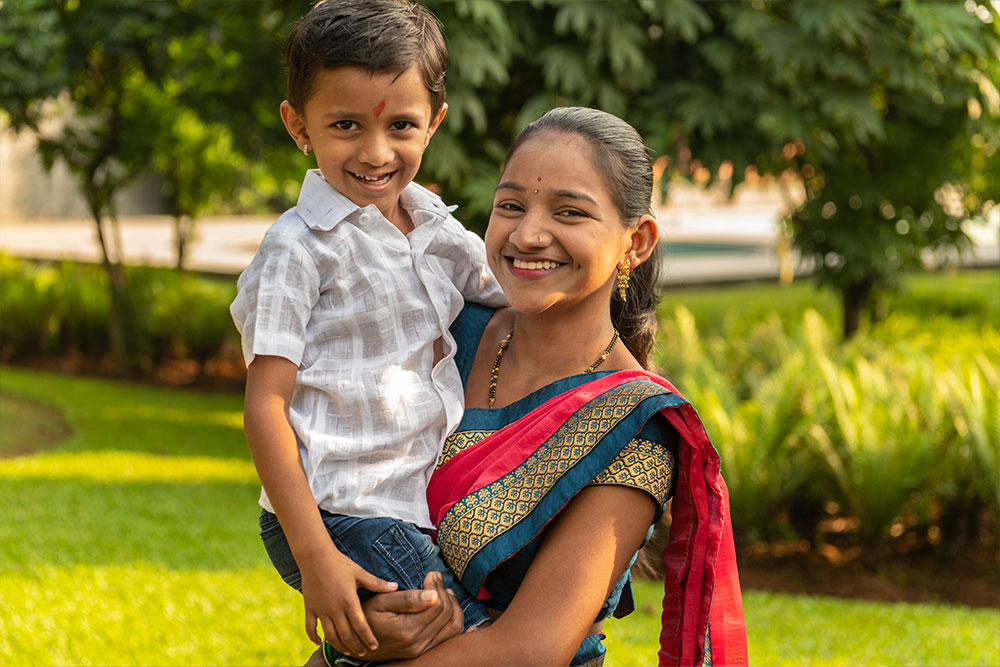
(232, 419)
(127, 467)
(802, 630)
(142, 614)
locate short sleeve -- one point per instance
(275, 298)
(647, 462)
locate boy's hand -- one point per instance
(330, 595)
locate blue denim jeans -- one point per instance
(387, 548)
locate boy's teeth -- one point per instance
(373, 179)
(534, 266)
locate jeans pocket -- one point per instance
(401, 556)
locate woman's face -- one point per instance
(555, 235)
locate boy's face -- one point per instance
(368, 132)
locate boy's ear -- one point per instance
(435, 123)
(643, 239)
(294, 124)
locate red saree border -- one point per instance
(701, 587)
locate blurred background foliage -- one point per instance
(886, 445)
(887, 111)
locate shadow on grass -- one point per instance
(177, 524)
(124, 416)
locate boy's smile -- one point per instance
(368, 132)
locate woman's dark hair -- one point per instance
(377, 35)
(623, 158)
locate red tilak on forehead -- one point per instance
(379, 109)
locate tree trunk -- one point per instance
(879, 305)
(183, 225)
(855, 299)
(117, 289)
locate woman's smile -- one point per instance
(532, 267)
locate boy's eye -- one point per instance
(509, 206)
(400, 125)
(344, 125)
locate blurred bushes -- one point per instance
(887, 444)
(60, 310)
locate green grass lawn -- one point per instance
(133, 542)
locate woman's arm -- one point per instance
(585, 552)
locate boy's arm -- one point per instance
(329, 578)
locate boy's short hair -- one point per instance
(378, 35)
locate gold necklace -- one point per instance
(495, 372)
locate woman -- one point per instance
(569, 449)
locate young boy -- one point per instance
(344, 314)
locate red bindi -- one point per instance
(539, 179)
(379, 109)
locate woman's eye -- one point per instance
(572, 213)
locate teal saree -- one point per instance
(505, 474)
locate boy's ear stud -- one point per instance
(305, 150)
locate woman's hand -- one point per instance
(408, 623)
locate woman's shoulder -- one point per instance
(468, 329)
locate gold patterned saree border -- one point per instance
(481, 517)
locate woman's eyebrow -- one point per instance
(572, 194)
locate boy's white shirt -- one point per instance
(341, 292)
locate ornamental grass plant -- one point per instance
(895, 434)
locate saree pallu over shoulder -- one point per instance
(494, 497)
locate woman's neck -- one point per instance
(548, 347)
(563, 345)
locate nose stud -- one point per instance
(536, 192)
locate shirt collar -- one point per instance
(322, 207)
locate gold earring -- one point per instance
(623, 270)
(305, 150)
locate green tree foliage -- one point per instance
(70, 74)
(886, 110)
(114, 88)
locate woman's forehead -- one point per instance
(553, 154)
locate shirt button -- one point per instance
(364, 219)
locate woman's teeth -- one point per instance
(534, 266)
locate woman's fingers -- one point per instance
(359, 624)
